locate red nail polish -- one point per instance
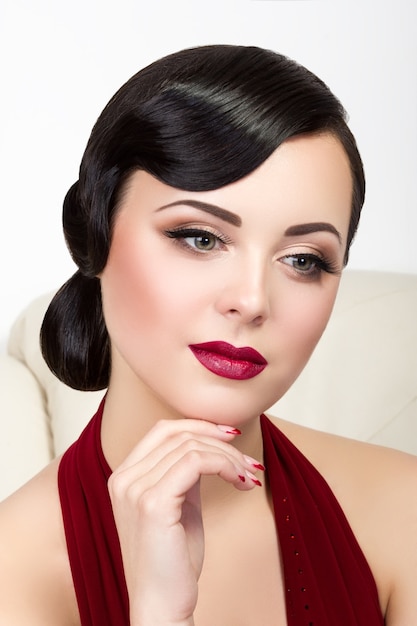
(229, 430)
(242, 478)
(234, 431)
(256, 481)
(259, 466)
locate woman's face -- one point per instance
(193, 275)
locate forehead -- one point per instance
(305, 170)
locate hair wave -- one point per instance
(197, 120)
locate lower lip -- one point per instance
(225, 367)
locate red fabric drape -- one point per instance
(327, 578)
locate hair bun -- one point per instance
(74, 339)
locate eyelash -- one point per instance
(181, 234)
(319, 264)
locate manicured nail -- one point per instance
(254, 479)
(242, 478)
(254, 463)
(229, 430)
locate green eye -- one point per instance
(197, 240)
(203, 242)
(310, 265)
(303, 263)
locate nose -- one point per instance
(245, 295)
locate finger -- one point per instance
(167, 429)
(184, 441)
(143, 474)
(161, 502)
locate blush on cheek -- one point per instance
(136, 298)
(125, 304)
(309, 324)
(122, 289)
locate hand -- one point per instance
(155, 495)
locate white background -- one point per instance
(62, 61)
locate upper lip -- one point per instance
(231, 352)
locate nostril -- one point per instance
(258, 320)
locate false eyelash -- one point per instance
(182, 233)
(322, 264)
(327, 265)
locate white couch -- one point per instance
(361, 381)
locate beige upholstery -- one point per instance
(361, 381)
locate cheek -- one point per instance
(132, 295)
(143, 293)
(309, 317)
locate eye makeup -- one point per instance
(198, 240)
(310, 265)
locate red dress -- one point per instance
(328, 581)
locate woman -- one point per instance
(217, 200)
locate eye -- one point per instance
(201, 242)
(310, 265)
(302, 262)
(197, 240)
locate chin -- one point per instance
(223, 403)
(233, 412)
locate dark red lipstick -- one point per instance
(225, 360)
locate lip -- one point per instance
(227, 361)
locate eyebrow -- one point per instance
(217, 211)
(232, 218)
(313, 227)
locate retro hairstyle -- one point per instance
(196, 120)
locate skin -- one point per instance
(168, 422)
(244, 291)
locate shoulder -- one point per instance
(35, 578)
(347, 463)
(377, 490)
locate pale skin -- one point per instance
(168, 425)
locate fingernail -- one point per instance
(254, 479)
(242, 478)
(254, 463)
(229, 430)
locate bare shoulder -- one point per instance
(35, 579)
(377, 489)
